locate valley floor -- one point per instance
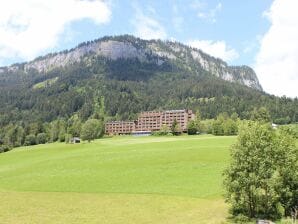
(56, 208)
(116, 180)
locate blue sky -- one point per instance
(238, 23)
(239, 32)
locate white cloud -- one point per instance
(277, 60)
(29, 27)
(204, 13)
(217, 49)
(146, 27)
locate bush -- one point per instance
(175, 128)
(30, 140)
(61, 137)
(5, 148)
(206, 126)
(163, 131)
(283, 120)
(192, 128)
(240, 219)
(68, 137)
(91, 130)
(223, 125)
(41, 138)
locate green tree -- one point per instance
(99, 107)
(286, 177)
(41, 138)
(68, 138)
(91, 130)
(192, 127)
(230, 127)
(206, 126)
(198, 121)
(262, 115)
(198, 117)
(224, 125)
(14, 136)
(4, 148)
(74, 126)
(30, 140)
(35, 128)
(57, 130)
(164, 130)
(175, 128)
(234, 116)
(261, 181)
(54, 131)
(217, 127)
(62, 130)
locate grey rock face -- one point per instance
(110, 49)
(115, 49)
(241, 74)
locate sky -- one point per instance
(262, 34)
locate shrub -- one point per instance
(91, 130)
(5, 148)
(61, 137)
(192, 128)
(162, 132)
(175, 128)
(68, 137)
(30, 140)
(41, 138)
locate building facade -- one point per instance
(119, 127)
(150, 121)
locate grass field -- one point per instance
(116, 180)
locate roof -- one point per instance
(118, 122)
(75, 138)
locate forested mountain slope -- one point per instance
(131, 75)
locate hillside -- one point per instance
(131, 75)
(116, 180)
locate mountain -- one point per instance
(124, 75)
(153, 51)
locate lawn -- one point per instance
(116, 180)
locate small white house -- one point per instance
(75, 140)
(260, 221)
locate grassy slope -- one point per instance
(140, 180)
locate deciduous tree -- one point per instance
(262, 179)
(91, 129)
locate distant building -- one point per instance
(119, 127)
(150, 121)
(260, 221)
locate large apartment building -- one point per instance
(119, 127)
(149, 121)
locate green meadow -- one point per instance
(116, 180)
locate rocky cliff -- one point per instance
(128, 47)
